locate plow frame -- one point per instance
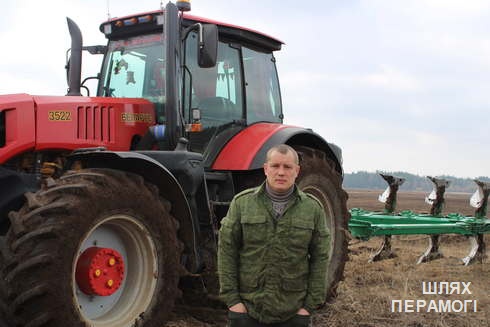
(364, 224)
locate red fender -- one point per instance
(240, 151)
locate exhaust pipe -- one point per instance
(74, 65)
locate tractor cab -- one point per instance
(203, 86)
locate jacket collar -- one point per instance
(260, 191)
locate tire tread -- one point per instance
(35, 253)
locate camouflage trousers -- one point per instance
(236, 319)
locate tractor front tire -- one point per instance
(319, 178)
(93, 208)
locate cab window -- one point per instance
(261, 86)
(216, 92)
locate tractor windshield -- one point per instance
(134, 68)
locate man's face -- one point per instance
(281, 171)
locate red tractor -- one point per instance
(108, 202)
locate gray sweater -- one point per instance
(279, 200)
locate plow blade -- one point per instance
(477, 250)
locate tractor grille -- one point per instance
(3, 129)
(95, 123)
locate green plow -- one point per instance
(364, 224)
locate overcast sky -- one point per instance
(398, 85)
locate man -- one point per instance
(273, 249)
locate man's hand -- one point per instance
(303, 312)
(239, 307)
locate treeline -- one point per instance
(367, 180)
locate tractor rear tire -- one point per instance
(91, 208)
(319, 178)
(4, 311)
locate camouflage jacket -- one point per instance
(273, 266)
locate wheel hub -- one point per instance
(99, 271)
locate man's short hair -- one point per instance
(282, 149)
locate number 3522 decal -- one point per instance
(59, 115)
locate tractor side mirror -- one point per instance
(207, 46)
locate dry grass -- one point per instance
(364, 297)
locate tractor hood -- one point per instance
(39, 123)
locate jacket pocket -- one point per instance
(301, 232)
(299, 321)
(254, 229)
(237, 315)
